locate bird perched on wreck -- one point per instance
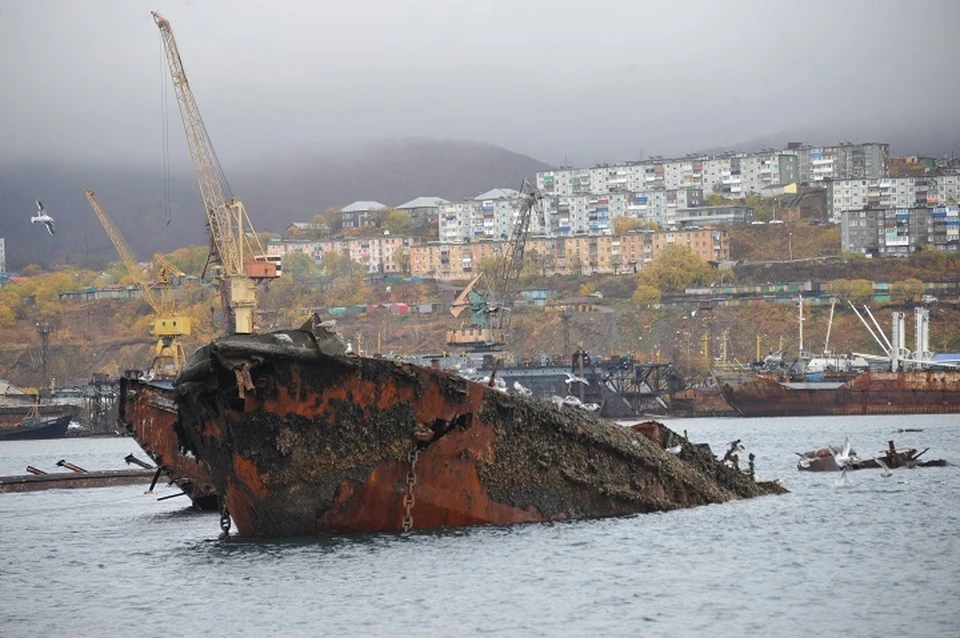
(43, 218)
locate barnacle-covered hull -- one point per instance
(300, 440)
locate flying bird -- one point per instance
(884, 470)
(43, 218)
(572, 378)
(522, 389)
(845, 457)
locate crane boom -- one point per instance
(230, 229)
(126, 256)
(456, 308)
(510, 263)
(167, 326)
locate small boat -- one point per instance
(38, 428)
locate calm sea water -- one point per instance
(875, 557)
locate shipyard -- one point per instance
(420, 322)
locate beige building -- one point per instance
(579, 255)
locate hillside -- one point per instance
(276, 190)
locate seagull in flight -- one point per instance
(884, 470)
(845, 457)
(572, 378)
(43, 218)
(521, 389)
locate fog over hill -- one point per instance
(276, 190)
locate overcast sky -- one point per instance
(585, 81)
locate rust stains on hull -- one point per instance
(911, 392)
(298, 441)
(149, 412)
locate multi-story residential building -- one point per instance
(577, 255)
(313, 248)
(360, 213)
(843, 161)
(490, 215)
(377, 254)
(880, 232)
(736, 214)
(890, 192)
(423, 210)
(734, 175)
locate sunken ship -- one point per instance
(300, 438)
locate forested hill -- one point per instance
(276, 190)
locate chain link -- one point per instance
(224, 520)
(409, 499)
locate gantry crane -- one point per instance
(492, 312)
(235, 248)
(168, 326)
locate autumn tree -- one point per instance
(857, 290)
(623, 225)
(331, 220)
(646, 296)
(674, 270)
(906, 291)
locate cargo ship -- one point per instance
(904, 392)
(899, 383)
(300, 438)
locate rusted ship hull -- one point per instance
(911, 392)
(149, 413)
(299, 441)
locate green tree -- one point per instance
(675, 269)
(906, 291)
(402, 257)
(397, 222)
(300, 266)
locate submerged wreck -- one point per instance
(300, 438)
(835, 459)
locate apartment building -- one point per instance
(885, 232)
(423, 210)
(843, 161)
(577, 255)
(490, 215)
(733, 175)
(360, 213)
(378, 254)
(890, 192)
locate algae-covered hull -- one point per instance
(909, 392)
(300, 441)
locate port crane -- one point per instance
(235, 249)
(492, 312)
(168, 325)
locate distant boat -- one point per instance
(37, 428)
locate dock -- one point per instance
(77, 477)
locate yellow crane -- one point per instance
(235, 249)
(167, 326)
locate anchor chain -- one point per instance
(224, 520)
(409, 498)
